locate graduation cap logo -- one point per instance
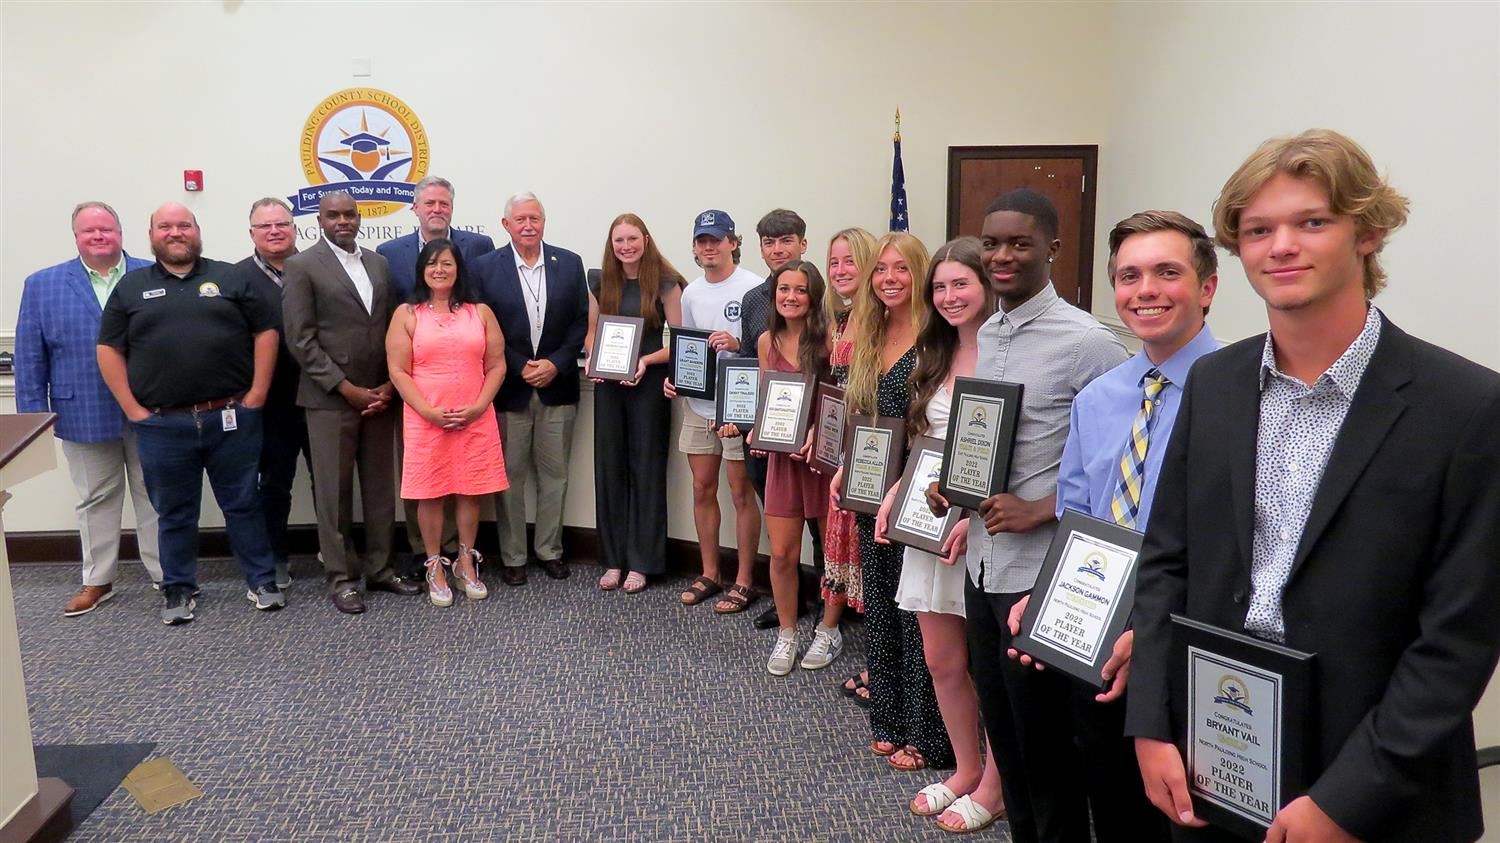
(369, 154)
(365, 141)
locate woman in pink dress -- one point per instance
(447, 358)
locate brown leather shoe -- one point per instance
(513, 575)
(88, 599)
(397, 585)
(348, 601)
(555, 568)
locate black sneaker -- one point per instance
(267, 598)
(177, 605)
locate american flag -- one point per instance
(899, 216)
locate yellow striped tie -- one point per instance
(1126, 503)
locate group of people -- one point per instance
(1289, 486)
(160, 372)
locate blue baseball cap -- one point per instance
(718, 224)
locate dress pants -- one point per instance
(1027, 719)
(1117, 798)
(344, 442)
(100, 471)
(176, 449)
(285, 426)
(537, 441)
(631, 429)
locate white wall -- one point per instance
(662, 109)
(1196, 86)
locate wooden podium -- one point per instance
(30, 810)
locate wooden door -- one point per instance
(1064, 174)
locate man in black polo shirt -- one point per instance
(187, 347)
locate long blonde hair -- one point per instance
(870, 318)
(862, 249)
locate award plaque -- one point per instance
(828, 438)
(911, 521)
(981, 436)
(872, 461)
(692, 370)
(1083, 597)
(785, 408)
(737, 392)
(617, 348)
(1248, 715)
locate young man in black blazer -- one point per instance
(1333, 485)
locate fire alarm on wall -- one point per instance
(192, 180)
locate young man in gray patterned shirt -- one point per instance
(1054, 350)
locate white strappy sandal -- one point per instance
(974, 815)
(475, 588)
(939, 796)
(440, 595)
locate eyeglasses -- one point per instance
(268, 226)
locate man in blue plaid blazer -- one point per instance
(57, 371)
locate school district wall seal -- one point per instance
(364, 141)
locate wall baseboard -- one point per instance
(582, 544)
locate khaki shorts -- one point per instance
(698, 437)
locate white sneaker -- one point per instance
(826, 646)
(784, 654)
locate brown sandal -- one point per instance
(700, 590)
(737, 599)
(880, 748)
(912, 761)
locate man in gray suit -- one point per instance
(336, 305)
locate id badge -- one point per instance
(230, 422)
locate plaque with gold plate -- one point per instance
(981, 437)
(1247, 706)
(1083, 596)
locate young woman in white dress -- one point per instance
(959, 301)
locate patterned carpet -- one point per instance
(549, 712)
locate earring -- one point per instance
(1049, 260)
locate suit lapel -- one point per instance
(511, 278)
(1376, 406)
(325, 254)
(78, 279)
(1242, 403)
(379, 284)
(550, 315)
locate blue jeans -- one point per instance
(176, 449)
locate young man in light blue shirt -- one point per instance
(1163, 269)
(1164, 273)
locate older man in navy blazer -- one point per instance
(57, 371)
(433, 206)
(538, 293)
